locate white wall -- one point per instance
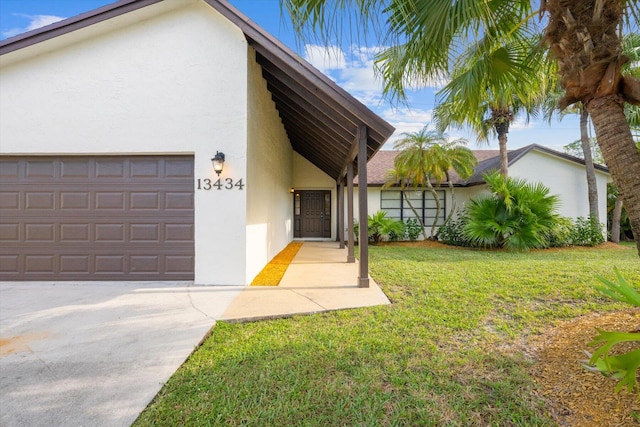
(565, 178)
(307, 176)
(269, 176)
(163, 83)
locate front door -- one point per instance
(312, 214)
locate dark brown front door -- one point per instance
(312, 212)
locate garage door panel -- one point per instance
(39, 169)
(9, 200)
(97, 218)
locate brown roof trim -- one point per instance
(68, 25)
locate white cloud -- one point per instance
(520, 123)
(405, 120)
(35, 22)
(352, 70)
(325, 58)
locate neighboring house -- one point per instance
(108, 124)
(563, 174)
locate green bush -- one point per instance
(453, 232)
(413, 229)
(587, 232)
(560, 234)
(517, 215)
(380, 227)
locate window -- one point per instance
(395, 205)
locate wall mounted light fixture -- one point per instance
(218, 162)
(292, 190)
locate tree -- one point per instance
(426, 38)
(489, 87)
(451, 155)
(583, 35)
(413, 165)
(429, 155)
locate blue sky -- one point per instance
(351, 66)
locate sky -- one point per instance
(349, 65)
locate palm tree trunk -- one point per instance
(504, 154)
(453, 200)
(592, 186)
(620, 153)
(434, 193)
(453, 204)
(615, 221)
(418, 216)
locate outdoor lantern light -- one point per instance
(218, 162)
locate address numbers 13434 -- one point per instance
(219, 184)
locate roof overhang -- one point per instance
(320, 118)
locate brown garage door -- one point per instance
(96, 218)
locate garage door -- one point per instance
(96, 218)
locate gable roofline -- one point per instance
(71, 24)
(320, 118)
(487, 160)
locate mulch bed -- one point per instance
(272, 273)
(574, 395)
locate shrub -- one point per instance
(560, 234)
(380, 227)
(453, 232)
(517, 215)
(413, 229)
(587, 232)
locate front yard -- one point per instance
(459, 346)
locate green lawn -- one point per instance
(447, 352)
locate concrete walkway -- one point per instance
(96, 353)
(318, 279)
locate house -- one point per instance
(563, 174)
(109, 124)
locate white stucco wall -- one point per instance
(152, 81)
(307, 176)
(565, 178)
(269, 176)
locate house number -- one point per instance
(220, 184)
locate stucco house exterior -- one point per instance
(563, 174)
(109, 123)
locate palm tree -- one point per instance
(426, 38)
(429, 155)
(630, 48)
(478, 94)
(451, 155)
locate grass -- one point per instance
(449, 351)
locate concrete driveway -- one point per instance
(95, 354)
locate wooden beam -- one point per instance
(341, 213)
(351, 257)
(363, 277)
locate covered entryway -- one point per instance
(312, 214)
(96, 218)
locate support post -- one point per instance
(351, 256)
(363, 278)
(341, 213)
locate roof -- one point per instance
(320, 118)
(488, 160)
